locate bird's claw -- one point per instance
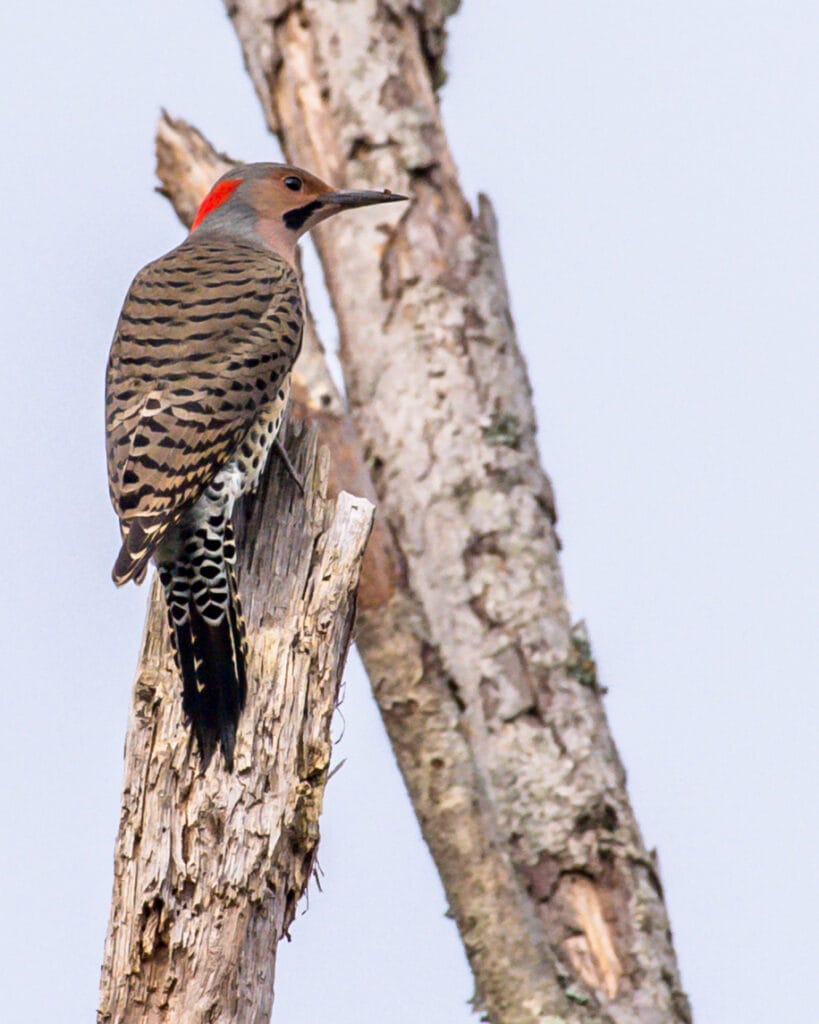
(282, 453)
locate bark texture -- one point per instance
(209, 867)
(495, 713)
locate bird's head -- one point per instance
(276, 203)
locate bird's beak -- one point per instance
(350, 199)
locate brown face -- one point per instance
(280, 202)
(294, 196)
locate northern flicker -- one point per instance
(197, 383)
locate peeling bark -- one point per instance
(440, 397)
(209, 867)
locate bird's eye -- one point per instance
(293, 182)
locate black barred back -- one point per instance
(206, 338)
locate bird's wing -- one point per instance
(206, 337)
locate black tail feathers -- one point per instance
(212, 662)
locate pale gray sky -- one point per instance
(654, 168)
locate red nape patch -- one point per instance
(224, 190)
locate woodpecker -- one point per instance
(197, 383)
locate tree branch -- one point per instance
(209, 867)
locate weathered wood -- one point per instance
(438, 391)
(209, 867)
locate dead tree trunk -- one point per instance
(488, 692)
(209, 868)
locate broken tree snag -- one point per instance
(208, 869)
(439, 393)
